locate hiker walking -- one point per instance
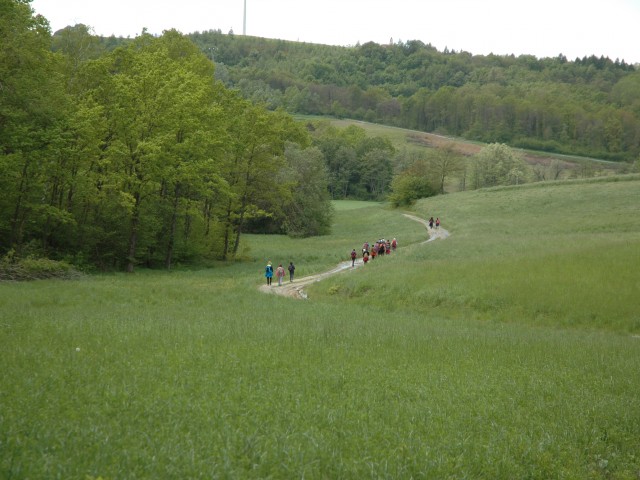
(431, 222)
(280, 274)
(353, 257)
(291, 268)
(268, 272)
(394, 244)
(438, 222)
(365, 257)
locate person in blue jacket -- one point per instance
(268, 272)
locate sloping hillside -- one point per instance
(413, 139)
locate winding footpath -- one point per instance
(295, 289)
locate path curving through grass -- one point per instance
(295, 289)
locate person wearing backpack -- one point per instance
(354, 254)
(292, 268)
(268, 272)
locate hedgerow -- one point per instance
(14, 268)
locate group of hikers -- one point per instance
(369, 252)
(279, 272)
(378, 248)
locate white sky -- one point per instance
(544, 28)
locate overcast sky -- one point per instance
(544, 28)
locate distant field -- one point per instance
(418, 141)
(509, 350)
(354, 205)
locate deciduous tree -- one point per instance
(498, 164)
(308, 210)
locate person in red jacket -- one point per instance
(354, 254)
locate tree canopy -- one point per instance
(115, 157)
(589, 106)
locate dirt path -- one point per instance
(295, 289)
(434, 233)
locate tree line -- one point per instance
(589, 106)
(115, 157)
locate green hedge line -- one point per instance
(31, 268)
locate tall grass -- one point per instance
(567, 255)
(199, 375)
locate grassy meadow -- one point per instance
(509, 350)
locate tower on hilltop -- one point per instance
(244, 19)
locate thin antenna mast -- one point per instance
(244, 19)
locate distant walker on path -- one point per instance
(292, 269)
(280, 274)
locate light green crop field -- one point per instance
(509, 350)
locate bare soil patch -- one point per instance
(468, 149)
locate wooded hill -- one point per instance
(119, 152)
(587, 106)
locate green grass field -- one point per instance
(509, 350)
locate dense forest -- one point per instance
(116, 157)
(588, 106)
(165, 149)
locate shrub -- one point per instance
(406, 189)
(33, 268)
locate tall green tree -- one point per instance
(256, 156)
(33, 107)
(445, 163)
(376, 171)
(308, 211)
